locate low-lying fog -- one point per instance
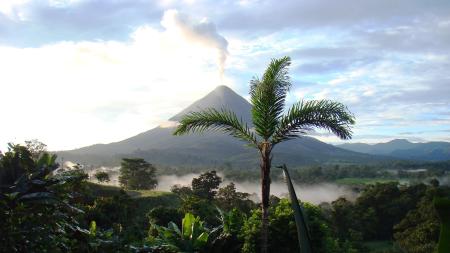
(316, 194)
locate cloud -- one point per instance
(36, 23)
(80, 93)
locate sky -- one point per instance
(78, 72)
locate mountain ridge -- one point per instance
(404, 149)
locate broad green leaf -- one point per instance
(187, 222)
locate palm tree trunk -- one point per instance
(265, 194)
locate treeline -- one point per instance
(330, 173)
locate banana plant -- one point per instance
(442, 206)
(304, 238)
(193, 236)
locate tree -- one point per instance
(14, 163)
(418, 232)
(205, 185)
(102, 176)
(137, 174)
(36, 148)
(228, 198)
(271, 126)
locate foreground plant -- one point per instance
(193, 236)
(442, 206)
(304, 238)
(36, 210)
(271, 126)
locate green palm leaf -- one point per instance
(268, 96)
(303, 116)
(212, 119)
(304, 238)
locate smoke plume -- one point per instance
(201, 31)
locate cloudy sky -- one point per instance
(79, 72)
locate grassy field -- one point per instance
(146, 199)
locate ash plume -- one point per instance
(202, 31)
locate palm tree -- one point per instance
(270, 124)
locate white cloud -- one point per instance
(71, 94)
(11, 8)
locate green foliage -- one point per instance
(326, 114)
(102, 176)
(137, 174)
(268, 95)
(283, 234)
(206, 184)
(182, 191)
(193, 236)
(36, 148)
(38, 211)
(419, 230)
(162, 215)
(390, 203)
(107, 211)
(228, 240)
(17, 161)
(442, 206)
(228, 198)
(199, 207)
(351, 221)
(213, 119)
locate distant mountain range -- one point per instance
(159, 146)
(403, 149)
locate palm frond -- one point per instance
(268, 96)
(303, 116)
(303, 235)
(212, 119)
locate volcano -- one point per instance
(160, 147)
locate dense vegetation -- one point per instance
(43, 209)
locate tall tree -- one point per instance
(270, 124)
(137, 174)
(206, 184)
